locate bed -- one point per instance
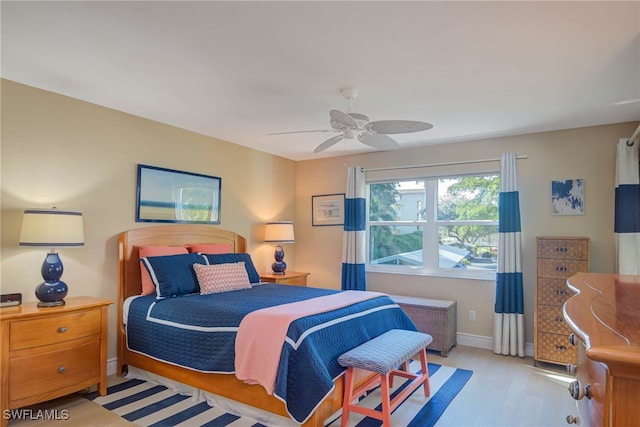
(221, 384)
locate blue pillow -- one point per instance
(254, 277)
(173, 275)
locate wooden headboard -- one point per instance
(171, 235)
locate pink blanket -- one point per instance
(262, 333)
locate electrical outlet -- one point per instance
(472, 315)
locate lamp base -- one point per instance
(51, 294)
(51, 304)
(279, 266)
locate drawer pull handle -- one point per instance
(561, 268)
(572, 420)
(62, 329)
(562, 250)
(561, 292)
(561, 348)
(578, 392)
(572, 338)
(559, 320)
(62, 370)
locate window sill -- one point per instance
(489, 276)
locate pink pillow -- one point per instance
(210, 248)
(222, 277)
(148, 287)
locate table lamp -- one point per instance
(279, 232)
(51, 228)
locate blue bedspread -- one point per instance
(198, 332)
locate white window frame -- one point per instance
(430, 227)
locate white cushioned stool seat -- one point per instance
(386, 352)
(383, 355)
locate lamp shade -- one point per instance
(279, 232)
(51, 228)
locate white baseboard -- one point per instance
(112, 366)
(484, 342)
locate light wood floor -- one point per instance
(503, 391)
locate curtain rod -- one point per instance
(633, 137)
(464, 162)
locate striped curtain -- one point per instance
(508, 324)
(627, 202)
(353, 247)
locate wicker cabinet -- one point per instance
(558, 258)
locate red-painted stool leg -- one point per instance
(348, 389)
(386, 401)
(425, 370)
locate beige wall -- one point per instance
(75, 155)
(79, 156)
(587, 153)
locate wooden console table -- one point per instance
(605, 318)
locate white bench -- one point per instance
(383, 355)
(435, 317)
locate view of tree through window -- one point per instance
(435, 224)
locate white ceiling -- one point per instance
(241, 70)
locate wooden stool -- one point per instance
(383, 355)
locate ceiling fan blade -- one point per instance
(391, 127)
(378, 140)
(328, 143)
(340, 120)
(302, 131)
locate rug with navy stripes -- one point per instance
(144, 403)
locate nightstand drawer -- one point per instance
(297, 281)
(289, 278)
(55, 329)
(48, 372)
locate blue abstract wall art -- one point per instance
(567, 197)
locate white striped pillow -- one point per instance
(218, 278)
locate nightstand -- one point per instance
(48, 352)
(288, 278)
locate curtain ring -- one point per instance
(630, 143)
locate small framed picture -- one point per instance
(567, 197)
(327, 209)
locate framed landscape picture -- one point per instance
(167, 195)
(327, 209)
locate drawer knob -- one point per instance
(578, 392)
(571, 368)
(572, 420)
(62, 370)
(572, 338)
(62, 329)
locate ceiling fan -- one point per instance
(352, 125)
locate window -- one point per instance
(441, 226)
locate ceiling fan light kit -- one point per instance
(352, 125)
